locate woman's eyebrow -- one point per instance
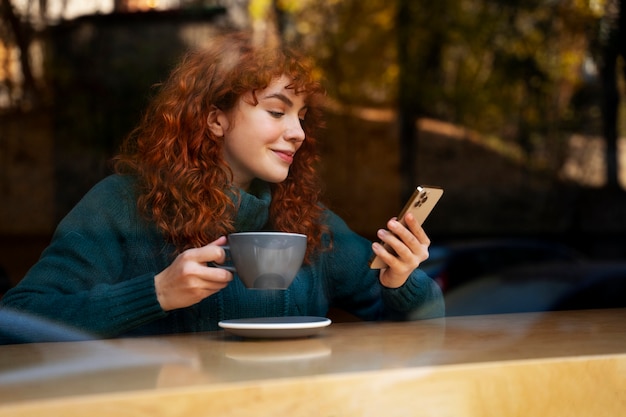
(281, 97)
(284, 99)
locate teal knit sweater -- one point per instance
(97, 275)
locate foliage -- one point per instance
(510, 69)
(354, 43)
(506, 68)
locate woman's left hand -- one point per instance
(410, 244)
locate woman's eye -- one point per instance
(275, 114)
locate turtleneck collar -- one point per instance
(253, 211)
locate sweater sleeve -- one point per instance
(92, 278)
(356, 288)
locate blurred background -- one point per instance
(514, 107)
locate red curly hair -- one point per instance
(183, 178)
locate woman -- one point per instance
(227, 144)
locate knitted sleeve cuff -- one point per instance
(419, 298)
(134, 303)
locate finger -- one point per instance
(209, 282)
(222, 240)
(389, 259)
(211, 252)
(392, 242)
(407, 241)
(396, 266)
(217, 274)
(417, 230)
(408, 247)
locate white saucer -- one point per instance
(275, 327)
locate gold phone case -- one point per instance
(420, 205)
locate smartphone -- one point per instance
(420, 205)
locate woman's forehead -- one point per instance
(282, 86)
(282, 83)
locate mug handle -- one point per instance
(226, 267)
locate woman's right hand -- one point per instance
(188, 280)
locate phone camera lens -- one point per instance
(421, 200)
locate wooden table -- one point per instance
(536, 364)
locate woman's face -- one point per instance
(260, 140)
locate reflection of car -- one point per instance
(458, 263)
(542, 287)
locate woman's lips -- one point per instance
(286, 156)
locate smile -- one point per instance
(286, 156)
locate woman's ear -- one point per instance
(217, 121)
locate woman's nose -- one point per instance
(294, 131)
